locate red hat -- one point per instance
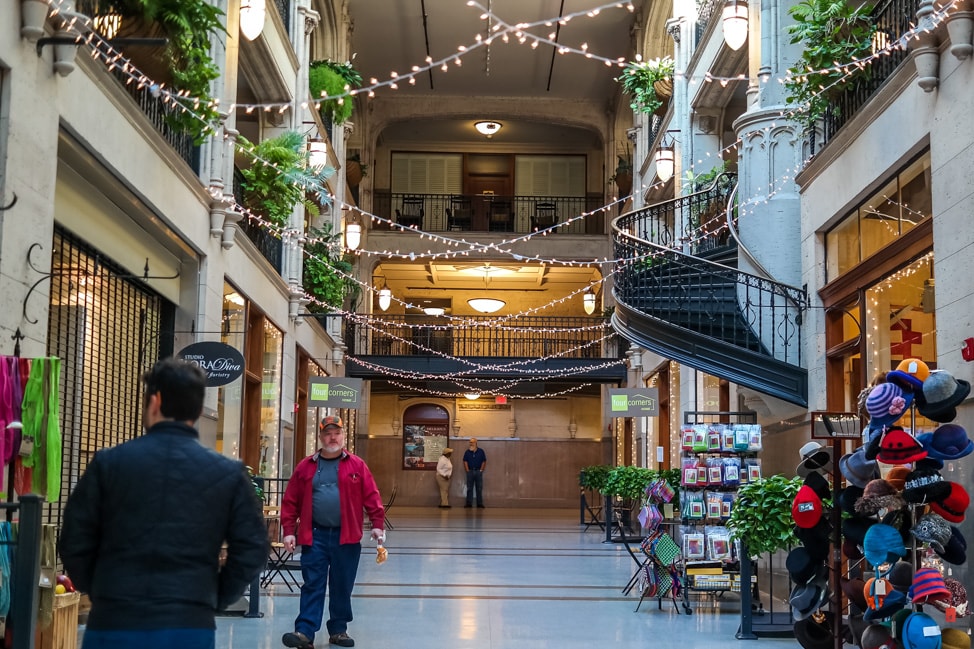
(807, 508)
(954, 505)
(900, 447)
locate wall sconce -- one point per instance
(396, 425)
(734, 23)
(572, 429)
(338, 355)
(588, 302)
(472, 396)
(665, 160)
(487, 128)
(353, 235)
(252, 16)
(960, 26)
(33, 17)
(317, 153)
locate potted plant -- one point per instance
(649, 83)
(594, 477)
(326, 270)
(280, 177)
(623, 174)
(355, 171)
(830, 31)
(761, 517)
(333, 80)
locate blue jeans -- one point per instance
(154, 639)
(326, 564)
(475, 480)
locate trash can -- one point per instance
(63, 632)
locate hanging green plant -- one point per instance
(329, 78)
(833, 34)
(326, 270)
(761, 516)
(639, 80)
(279, 178)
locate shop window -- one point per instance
(425, 433)
(229, 397)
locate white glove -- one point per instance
(378, 535)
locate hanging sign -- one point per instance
(633, 402)
(222, 363)
(337, 392)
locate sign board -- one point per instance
(633, 402)
(830, 425)
(222, 363)
(335, 392)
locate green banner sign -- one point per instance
(633, 402)
(336, 392)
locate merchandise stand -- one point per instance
(714, 577)
(25, 571)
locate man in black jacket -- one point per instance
(144, 527)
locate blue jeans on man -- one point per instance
(327, 565)
(475, 480)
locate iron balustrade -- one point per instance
(699, 216)
(271, 247)
(284, 9)
(472, 212)
(480, 336)
(892, 19)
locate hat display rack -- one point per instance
(895, 519)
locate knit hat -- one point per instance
(807, 598)
(815, 457)
(878, 495)
(901, 576)
(941, 395)
(954, 505)
(899, 447)
(807, 507)
(854, 590)
(947, 442)
(877, 636)
(897, 476)
(954, 550)
(857, 469)
(882, 599)
(927, 586)
(886, 403)
(851, 550)
(954, 639)
(848, 497)
(932, 529)
(815, 632)
(882, 544)
(920, 631)
(958, 598)
(925, 484)
(909, 374)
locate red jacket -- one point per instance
(356, 491)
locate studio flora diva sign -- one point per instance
(222, 363)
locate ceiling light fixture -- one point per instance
(488, 128)
(252, 16)
(588, 302)
(665, 161)
(434, 310)
(473, 396)
(486, 304)
(734, 23)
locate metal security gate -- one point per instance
(107, 328)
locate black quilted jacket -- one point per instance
(144, 526)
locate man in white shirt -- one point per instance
(444, 471)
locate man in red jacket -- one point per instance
(322, 510)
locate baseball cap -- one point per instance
(332, 421)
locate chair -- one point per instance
(501, 216)
(545, 216)
(459, 215)
(279, 558)
(388, 505)
(411, 215)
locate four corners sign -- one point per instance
(338, 392)
(633, 402)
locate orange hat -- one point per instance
(331, 422)
(897, 476)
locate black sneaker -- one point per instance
(297, 640)
(341, 639)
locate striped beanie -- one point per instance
(927, 586)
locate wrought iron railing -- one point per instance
(892, 19)
(525, 337)
(706, 10)
(700, 217)
(486, 213)
(284, 9)
(269, 246)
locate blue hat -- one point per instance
(882, 544)
(948, 442)
(920, 631)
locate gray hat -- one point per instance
(942, 393)
(857, 469)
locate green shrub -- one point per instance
(332, 79)
(594, 477)
(761, 517)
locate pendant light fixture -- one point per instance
(734, 23)
(252, 16)
(588, 302)
(353, 235)
(486, 304)
(665, 162)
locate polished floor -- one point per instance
(499, 579)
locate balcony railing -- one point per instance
(269, 246)
(284, 9)
(525, 337)
(892, 19)
(490, 213)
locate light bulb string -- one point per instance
(499, 391)
(515, 366)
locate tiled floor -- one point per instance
(499, 579)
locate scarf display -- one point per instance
(41, 423)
